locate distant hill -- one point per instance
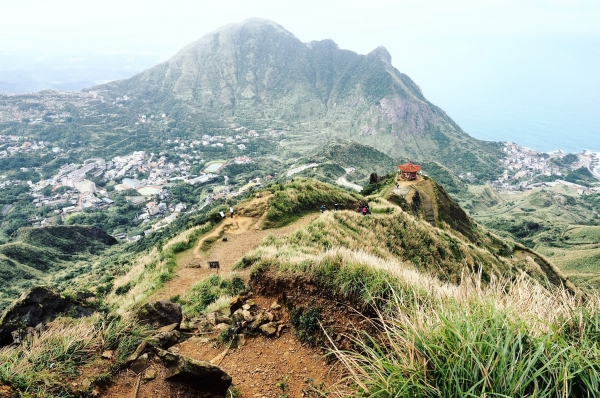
(36, 254)
(365, 159)
(259, 74)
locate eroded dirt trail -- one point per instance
(243, 234)
(259, 362)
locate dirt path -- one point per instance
(429, 213)
(243, 234)
(256, 366)
(345, 183)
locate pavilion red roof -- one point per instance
(409, 168)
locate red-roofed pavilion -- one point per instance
(408, 171)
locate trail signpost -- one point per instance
(214, 265)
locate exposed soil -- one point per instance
(243, 234)
(128, 384)
(259, 362)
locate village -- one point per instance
(525, 168)
(144, 179)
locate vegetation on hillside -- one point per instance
(510, 338)
(450, 299)
(292, 200)
(35, 255)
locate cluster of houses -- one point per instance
(11, 144)
(45, 105)
(523, 164)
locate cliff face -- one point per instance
(258, 70)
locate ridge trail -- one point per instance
(243, 234)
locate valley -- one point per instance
(338, 276)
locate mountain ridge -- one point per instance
(258, 72)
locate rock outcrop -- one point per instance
(33, 309)
(202, 376)
(160, 313)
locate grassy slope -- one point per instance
(510, 338)
(356, 258)
(37, 255)
(392, 234)
(302, 196)
(554, 221)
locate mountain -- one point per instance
(259, 74)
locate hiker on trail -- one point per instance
(397, 185)
(222, 214)
(364, 210)
(231, 211)
(323, 208)
(336, 206)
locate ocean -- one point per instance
(542, 94)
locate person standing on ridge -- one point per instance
(336, 206)
(364, 210)
(231, 211)
(323, 208)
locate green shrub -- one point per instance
(207, 291)
(123, 289)
(306, 324)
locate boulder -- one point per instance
(168, 328)
(247, 316)
(140, 364)
(214, 318)
(149, 374)
(222, 327)
(37, 306)
(270, 316)
(197, 323)
(165, 339)
(237, 316)
(200, 375)
(259, 319)
(136, 354)
(269, 329)
(160, 313)
(236, 303)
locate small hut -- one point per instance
(408, 171)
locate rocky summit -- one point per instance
(258, 71)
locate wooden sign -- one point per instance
(213, 265)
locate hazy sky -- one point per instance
(484, 62)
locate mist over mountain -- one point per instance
(258, 72)
(30, 72)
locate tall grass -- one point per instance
(302, 196)
(502, 340)
(212, 294)
(43, 365)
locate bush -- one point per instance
(208, 291)
(123, 289)
(306, 324)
